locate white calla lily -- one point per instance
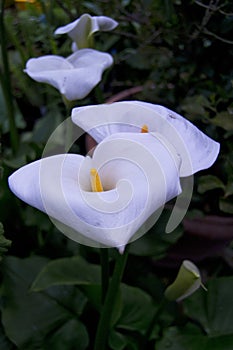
(139, 173)
(82, 29)
(197, 150)
(74, 76)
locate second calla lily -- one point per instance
(197, 150)
(104, 200)
(74, 76)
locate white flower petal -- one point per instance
(106, 23)
(196, 149)
(75, 76)
(81, 31)
(147, 167)
(68, 27)
(138, 183)
(88, 58)
(82, 28)
(52, 186)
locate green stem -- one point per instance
(105, 318)
(6, 84)
(104, 260)
(99, 94)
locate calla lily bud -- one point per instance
(186, 283)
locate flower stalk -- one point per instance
(104, 261)
(105, 318)
(6, 84)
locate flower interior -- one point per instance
(96, 184)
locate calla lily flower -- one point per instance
(197, 150)
(186, 283)
(104, 200)
(74, 76)
(82, 29)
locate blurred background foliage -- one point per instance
(177, 53)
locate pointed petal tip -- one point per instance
(121, 249)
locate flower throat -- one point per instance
(96, 184)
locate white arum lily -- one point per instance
(82, 29)
(104, 200)
(197, 150)
(188, 280)
(74, 76)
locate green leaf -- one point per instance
(213, 309)
(192, 338)
(67, 271)
(137, 309)
(118, 341)
(46, 125)
(224, 120)
(68, 336)
(209, 182)
(29, 318)
(4, 342)
(195, 106)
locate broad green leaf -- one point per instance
(67, 271)
(224, 120)
(213, 309)
(209, 182)
(5, 344)
(29, 318)
(69, 336)
(118, 341)
(191, 338)
(195, 106)
(137, 309)
(46, 125)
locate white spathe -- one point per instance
(82, 29)
(74, 76)
(197, 150)
(138, 173)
